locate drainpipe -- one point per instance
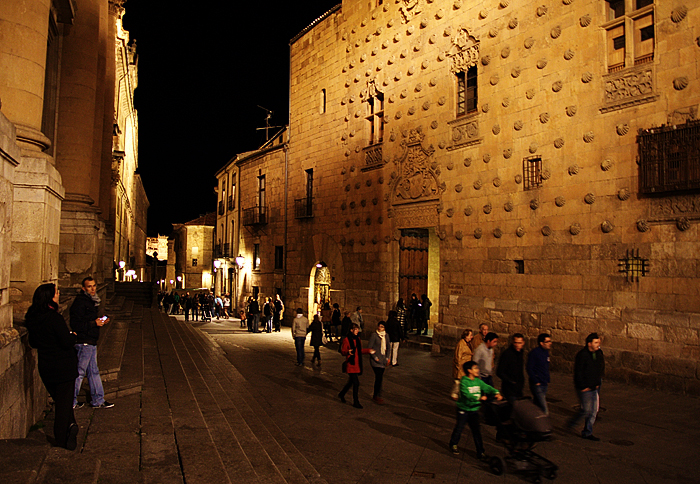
(286, 178)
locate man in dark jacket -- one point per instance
(86, 324)
(510, 369)
(589, 368)
(538, 371)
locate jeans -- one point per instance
(394, 352)
(256, 322)
(471, 418)
(539, 396)
(378, 379)
(299, 342)
(589, 410)
(87, 367)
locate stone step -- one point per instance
(286, 457)
(130, 376)
(21, 459)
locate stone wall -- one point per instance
(530, 253)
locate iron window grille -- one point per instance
(633, 266)
(532, 172)
(669, 158)
(466, 91)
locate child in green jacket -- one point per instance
(471, 393)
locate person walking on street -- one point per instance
(511, 366)
(268, 310)
(472, 392)
(352, 350)
(357, 319)
(86, 324)
(401, 316)
(316, 330)
(479, 337)
(589, 369)
(538, 371)
(277, 316)
(379, 342)
(300, 326)
(483, 356)
(463, 353)
(57, 360)
(393, 329)
(336, 321)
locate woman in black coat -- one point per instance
(58, 360)
(316, 330)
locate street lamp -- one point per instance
(217, 265)
(179, 281)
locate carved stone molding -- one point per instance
(415, 216)
(409, 9)
(465, 132)
(630, 87)
(464, 51)
(669, 209)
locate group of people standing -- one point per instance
(200, 306)
(66, 355)
(414, 316)
(269, 316)
(473, 367)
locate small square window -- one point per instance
(194, 262)
(532, 173)
(633, 266)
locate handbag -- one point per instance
(454, 394)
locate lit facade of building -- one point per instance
(192, 249)
(71, 203)
(532, 165)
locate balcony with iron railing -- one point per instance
(255, 216)
(304, 207)
(230, 202)
(221, 207)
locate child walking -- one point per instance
(472, 392)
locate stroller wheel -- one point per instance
(497, 465)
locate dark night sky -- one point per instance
(202, 72)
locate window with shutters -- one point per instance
(629, 32)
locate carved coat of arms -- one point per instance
(464, 51)
(409, 9)
(418, 175)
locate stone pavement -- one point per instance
(217, 404)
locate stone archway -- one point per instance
(319, 287)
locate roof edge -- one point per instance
(314, 23)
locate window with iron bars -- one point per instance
(532, 172)
(466, 92)
(633, 266)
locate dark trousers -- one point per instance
(317, 354)
(378, 379)
(62, 394)
(187, 314)
(354, 381)
(276, 322)
(195, 314)
(471, 418)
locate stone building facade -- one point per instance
(530, 164)
(67, 78)
(193, 245)
(251, 222)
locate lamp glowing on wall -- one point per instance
(122, 264)
(217, 264)
(240, 261)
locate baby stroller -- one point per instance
(519, 427)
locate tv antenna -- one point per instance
(267, 123)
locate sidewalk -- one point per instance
(218, 404)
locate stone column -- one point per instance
(76, 143)
(37, 187)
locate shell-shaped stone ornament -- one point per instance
(513, 23)
(450, 212)
(458, 187)
(530, 93)
(497, 182)
(642, 225)
(560, 201)
(683, 224)
(477, 233)
(518, 179)
(544, 117)
(505, 52)
(485, 108)
(533, 147)
(508, 206)
(518, 125)
(515, 72)
(468, 161)
(622, 129)
(506, 102)
(529, 42)
(575, 229)
(589, 198)
(504, 3)
(486, 59)
(558, 143)
(496, 129)
(555, 32)
(468, 210)
(507, 153)
(541, 11)
(624, 194)
(493, 32)
(459, 235)
(568, 54)
(477, 185)
(678, 14)
(606, 164)
(520, 231)
(546, 174)
(534, 204)
(585, 21)
(588, 137)
(497, 232)
(494, 80)
(574, 169)
(607, 226)
(546, 231)
(571, 111)
(487, 158)
(483, 14)
(586, 77)
(680, 83)
(487, 208)
(557, 86)
(542, 63)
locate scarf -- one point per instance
(382, 335)
(96, 299)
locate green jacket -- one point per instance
(470, 391)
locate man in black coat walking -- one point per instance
(589, 368)
(510, 369)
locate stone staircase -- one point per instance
(183, 413)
